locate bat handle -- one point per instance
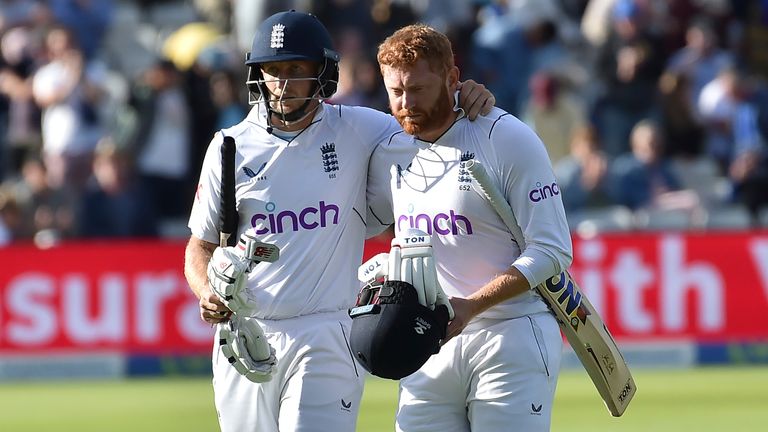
(224, 239)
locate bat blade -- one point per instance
(591, 341)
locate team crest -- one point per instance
(277, 37)
(464, 175)
(330, 159)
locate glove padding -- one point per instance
(229, 266)
(409, 260)
(245, 347)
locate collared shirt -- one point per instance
(307, 196)
(431, 189)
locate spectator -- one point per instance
(505, 56)
(681, 128)
(644, 179)
(162, 145)
(343, 16)
(628, 66)
(224, 97)
(700, 60)
(88, 20)
(44, 208)
(10, 218)
(596, 21)
(552, 115)
(22, 120)
(113, 204)
(390, 15)
(748, 169)
(23, 13)
(360, 84)
(717, 108)
(583, 175)
(67, 88)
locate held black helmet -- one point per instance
(287, 36)
(393, 335)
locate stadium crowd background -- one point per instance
(654, 112)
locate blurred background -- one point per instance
(654, 113)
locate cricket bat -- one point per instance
(228, 200)
(578, 319)
(260, 251)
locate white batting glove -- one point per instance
(410, 260)
(245, 347)
(229, 266)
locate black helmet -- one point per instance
(293, 35)
(393, 335)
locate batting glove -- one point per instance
(410, 260)
(229, 266)
(245, 347)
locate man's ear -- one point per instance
(452, 78)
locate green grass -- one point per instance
(696, 400)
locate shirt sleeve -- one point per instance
(204, 218)
(378, 193)
(531, 188)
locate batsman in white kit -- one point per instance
(290, 183)
(498, 369)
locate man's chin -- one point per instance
(410, 128)
(282, 110)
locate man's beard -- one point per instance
(427, 121)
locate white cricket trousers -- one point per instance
(317, 385)
(496, 376)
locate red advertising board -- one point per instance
(708, 287)
(132, 296)
(121, 296)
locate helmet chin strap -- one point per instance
(294, 116)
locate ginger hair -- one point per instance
(416, 42)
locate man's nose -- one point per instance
(408, 100)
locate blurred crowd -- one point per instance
(654, 112)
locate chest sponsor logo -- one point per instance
(309, 218)
(542, 192)
(441, 223)
(330, 159)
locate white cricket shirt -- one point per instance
(305, 195)
(434, 192)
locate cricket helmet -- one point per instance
(293, 35)
(394, 335)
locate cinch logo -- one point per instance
(441, 223)
(308, 218)
(541, 193)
